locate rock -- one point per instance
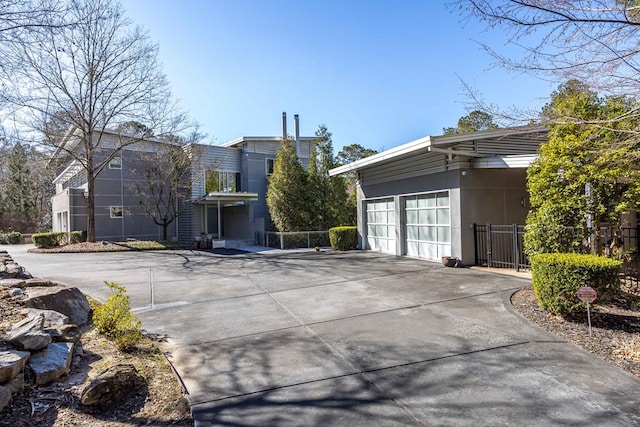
(12, 283)
(11, 364)
(35, 281)
(64, 333)
(68, 301)
(51, 317)
(29, 333)
(14, 292)
(111, 385)
(14, 270)
(52, 363)
(16, 385)
(5, 397)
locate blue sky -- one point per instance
(377, 73)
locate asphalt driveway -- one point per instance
(357, 338)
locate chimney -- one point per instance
(284, 127)
(296, 127)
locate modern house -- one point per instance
(422, 198)
(228, 192)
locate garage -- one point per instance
(381, 221)
(428, 225)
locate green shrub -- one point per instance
(10, 238)
(344, 238)
(557, 278)
(78, 237)
(46, 240)
(14, 237)
(115, 320)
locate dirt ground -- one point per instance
(161, 402)
(615, 326)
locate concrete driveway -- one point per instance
(358, 338)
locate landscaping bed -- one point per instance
(160, 402)
(615, 326)
(133, 245)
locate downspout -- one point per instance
(296, 126)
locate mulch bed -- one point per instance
(615, 326)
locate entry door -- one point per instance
(428, 225)
(212, 221)
(381, 230)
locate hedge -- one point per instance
(10, 238)
(344, 238)
(47, 240)
(558, 276)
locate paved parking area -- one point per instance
(357, 338)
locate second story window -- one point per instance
(269, 166)
(222, 182)
(115, 163)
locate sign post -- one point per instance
(587, 295)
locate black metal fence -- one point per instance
(501, 246)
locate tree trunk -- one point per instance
(165, 225)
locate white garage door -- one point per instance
(428, 225)
(381, 222)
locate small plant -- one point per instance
(115, 320)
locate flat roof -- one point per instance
(440, 142)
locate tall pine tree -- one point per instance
(287, 196)
(18, 194)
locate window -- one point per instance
(269, 166)
(222, 182)
(115, 163)
(115, 211)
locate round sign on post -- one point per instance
(587, 294)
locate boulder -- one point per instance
(111, 385)
(16, 385)
(12, 283)
(14, 292)
(51, 317)
(11, 364)
(29, 333)
(52, 363)
(64, 333)
(5, 397)
(68, 301)
(13, 270)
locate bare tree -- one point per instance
(90, 74)
(594, 41)
(164, 178)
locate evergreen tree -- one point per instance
(19, 195)
(287, 196)
(586, 175)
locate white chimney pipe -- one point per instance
(296, 126)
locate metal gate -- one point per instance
(500, 246)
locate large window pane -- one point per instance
(444, 234)
(443, 216)
(411, 202)
(443, 199)
(412, 217)
(428, 216)
(412, 249)
(412, 232)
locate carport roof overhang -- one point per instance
(446, 144)
(226, 198)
